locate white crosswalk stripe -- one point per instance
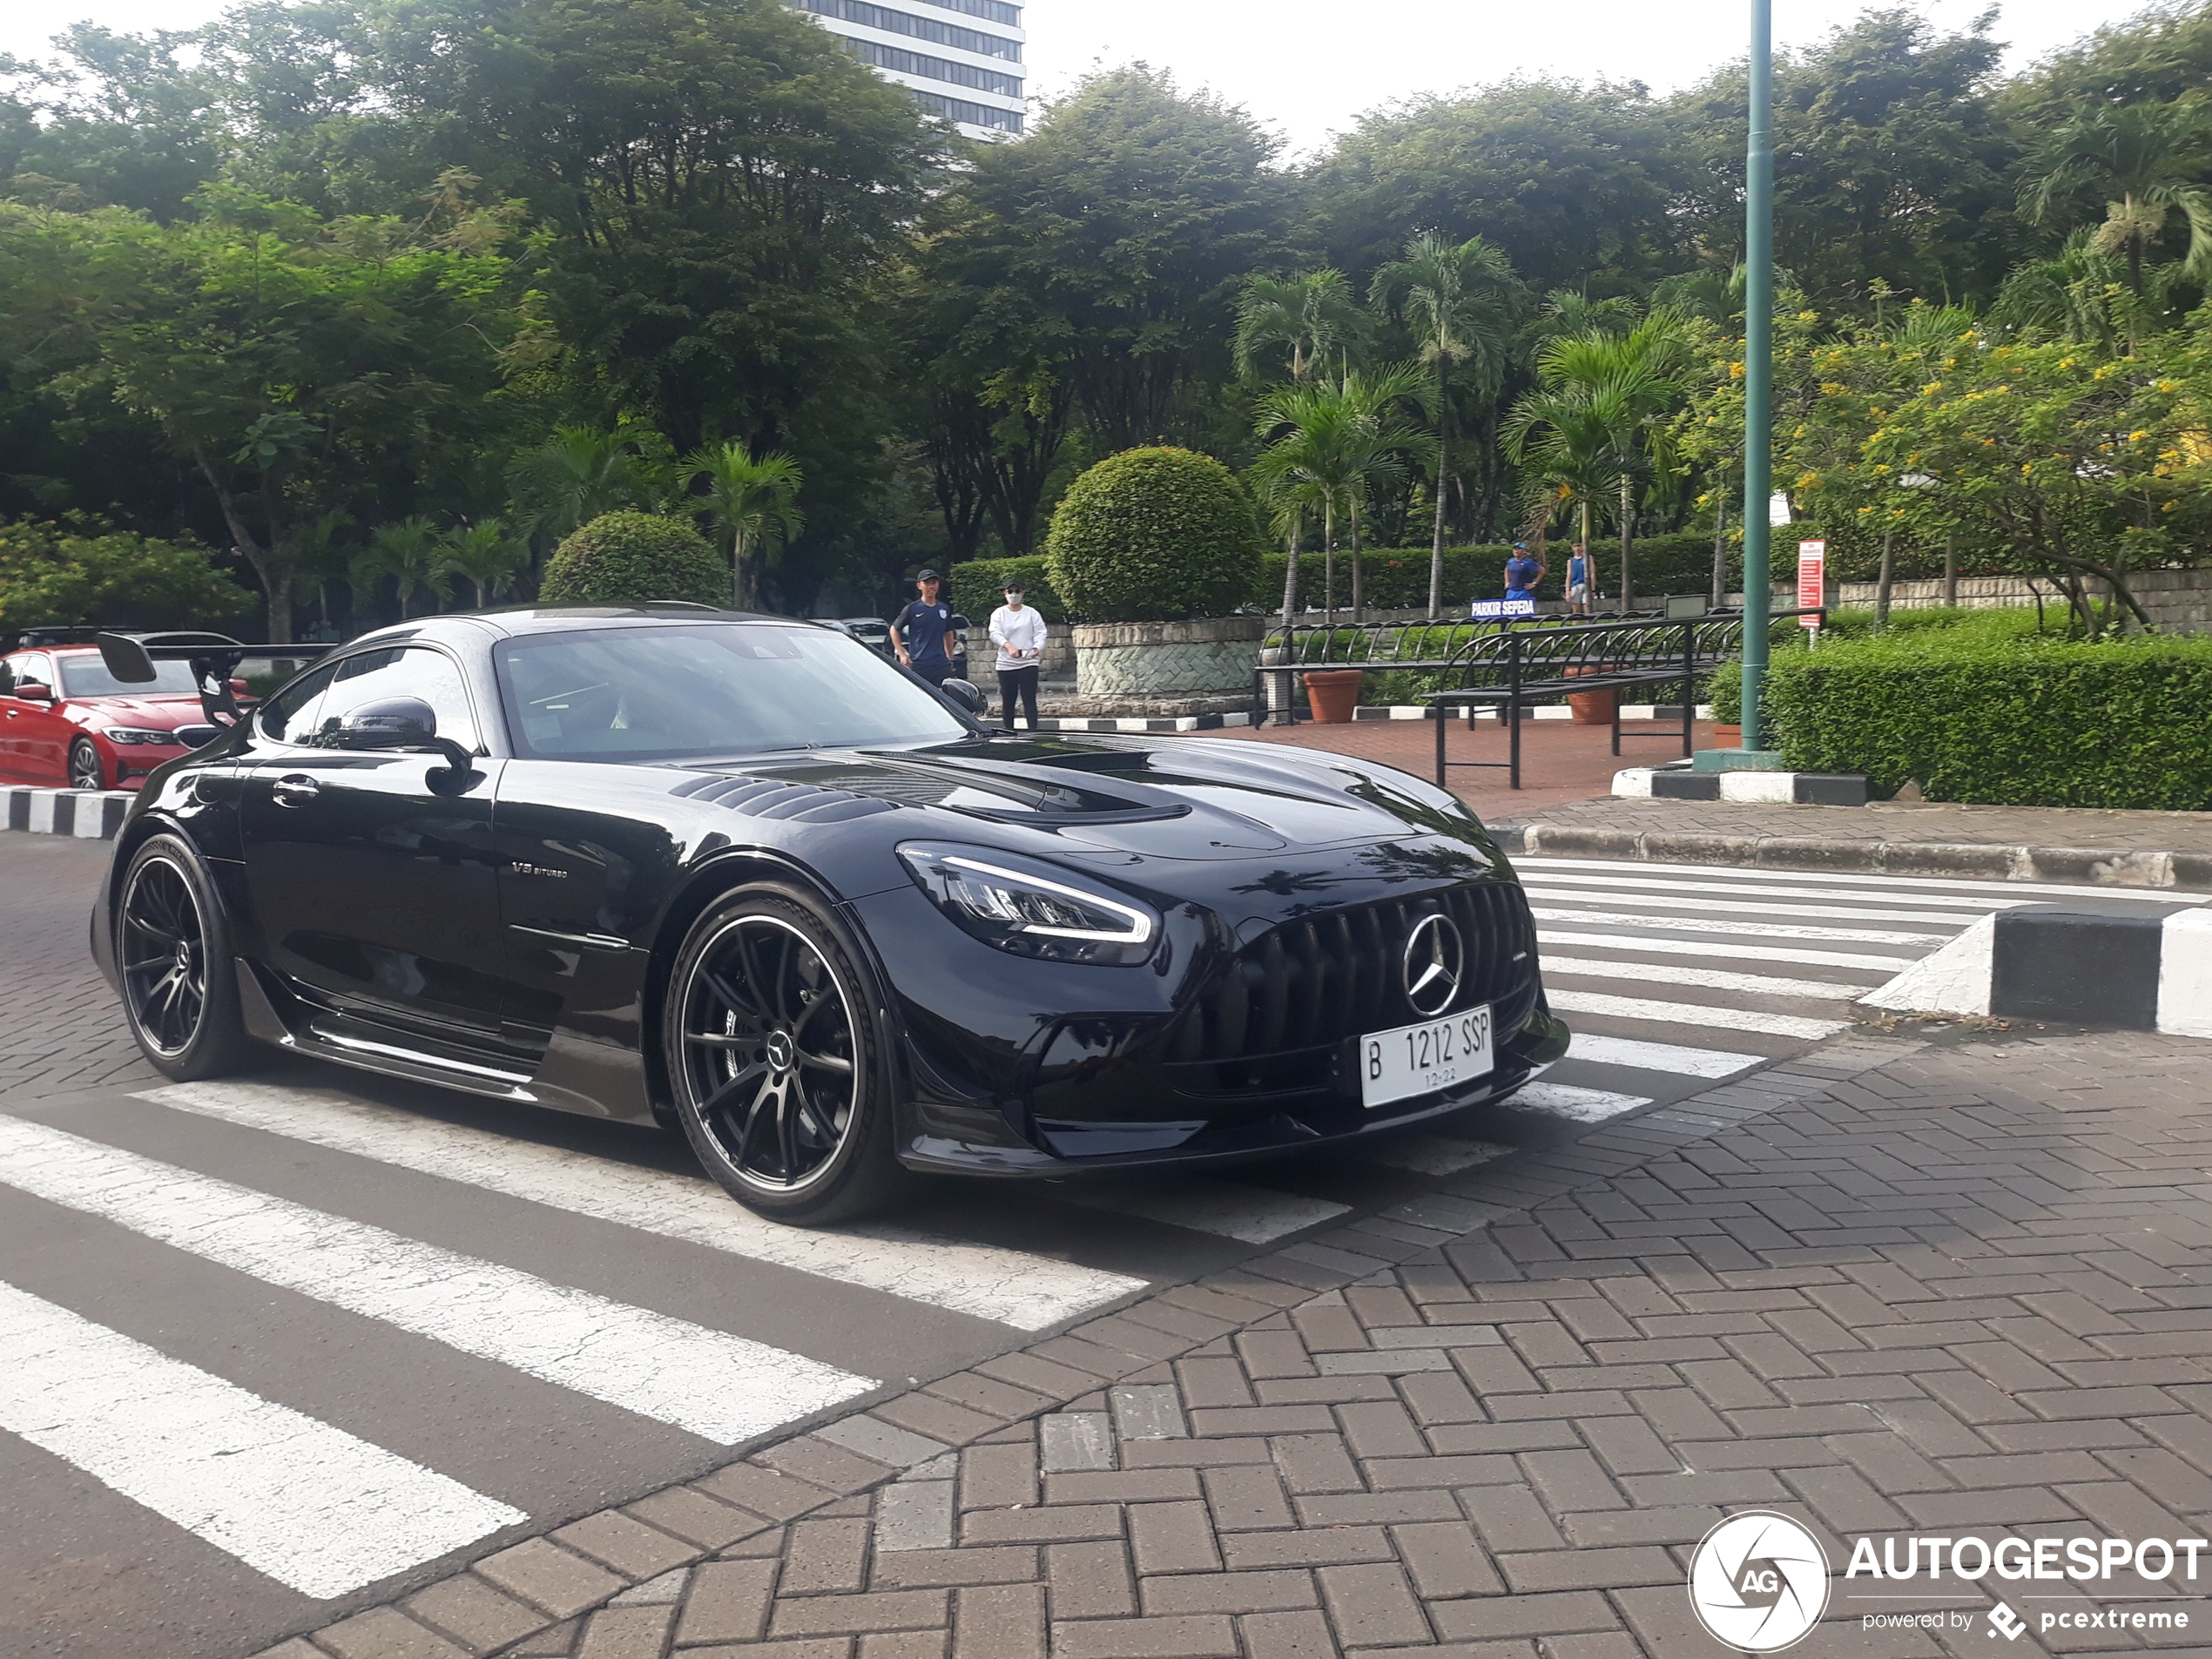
(1673, 1057)
(1579, 1105)
(1254, 1215)
(1698, 1014)
(1710, 979)
(1654, 944)
(1013, 1287)
(1631, 870)
(312, 1506)
(1761, 930)
(1557, 879)
(1721, 907)
(720, 1386)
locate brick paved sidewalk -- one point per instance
(1957, 1284)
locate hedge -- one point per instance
(2025, 721)
(1155, 535)
(978, 585)
(634, 558)
(1396, 578)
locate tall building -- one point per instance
(962, 58)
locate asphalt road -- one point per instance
(271, 1347)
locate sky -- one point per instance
(1308, 68)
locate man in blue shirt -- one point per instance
(1522, 573)
(1578, 582)
(920, 632)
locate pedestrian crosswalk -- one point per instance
(569, 1281)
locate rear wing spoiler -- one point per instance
(213, 659)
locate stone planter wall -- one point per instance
(1210, 658)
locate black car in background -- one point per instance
(741, 875)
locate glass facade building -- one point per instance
(961, 59)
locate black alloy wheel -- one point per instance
(85, 770)
(172, 951)
(773, 1062)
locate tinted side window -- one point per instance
(291, 712)
(373, 676)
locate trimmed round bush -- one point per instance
(633, 558)
(1154, 535)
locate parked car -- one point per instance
(66, 721)
(740, 876)
(872, 632)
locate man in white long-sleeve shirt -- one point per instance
(1018, 631)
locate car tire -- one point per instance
(774, 1060)
(173, 956)
(86, 769)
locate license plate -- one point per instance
(1421, 1059)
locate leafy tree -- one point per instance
(1573, 184)
(298, 369)
(753, 503)
(60, 574)
(1460, 301)
(1891, 160)
(2148, 160)
(1124, 222)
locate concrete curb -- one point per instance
(1965, 861)
(88, 814)
(1129, 722)
(2148, 970)
(1763, 788)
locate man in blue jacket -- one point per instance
(919, 632)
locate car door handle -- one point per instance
(294, 790)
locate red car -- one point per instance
(65, 720)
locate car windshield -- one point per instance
(711, 688)
(87, 676)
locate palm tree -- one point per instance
(578, 474)
(1459, 300)
(1595, 415)
(753, 503)
(1332, 445)
(2071, 296)
(1310, 315)
(488, 554)
(411, 552)
(1303, 470)
(2148, 160)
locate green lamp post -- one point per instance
(1758, 372)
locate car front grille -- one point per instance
(1311, 983)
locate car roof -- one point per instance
(514, 620)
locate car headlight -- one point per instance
(129, 734)
(1007, 900)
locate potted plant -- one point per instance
(1156, 548)
(1592, 708)
(1332, 693)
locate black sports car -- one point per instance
(739, 873)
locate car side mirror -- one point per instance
(401, 725)
(33, 691)
(126, 658)
(966, 694)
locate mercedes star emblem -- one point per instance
(1435, 960)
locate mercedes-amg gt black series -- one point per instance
(740, 874)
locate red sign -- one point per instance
(1812, 580)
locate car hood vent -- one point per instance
(761, 797)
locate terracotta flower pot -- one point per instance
(1333, 693)
(1592, 708)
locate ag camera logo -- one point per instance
(1758, 1581)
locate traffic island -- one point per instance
(2147, 969)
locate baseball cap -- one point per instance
(1520, 547)
(928, 576)
(1014, 587)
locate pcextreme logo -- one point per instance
(1758, 1581)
